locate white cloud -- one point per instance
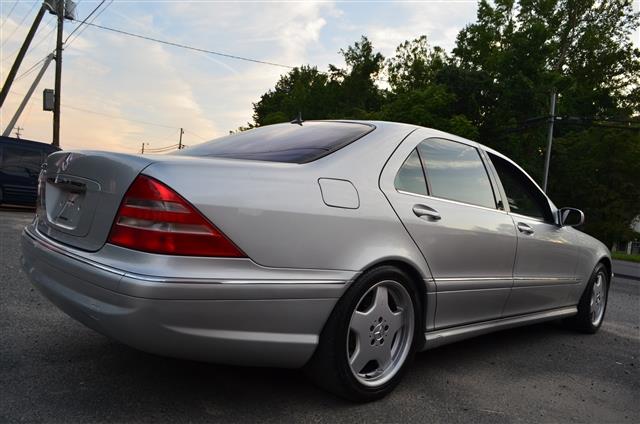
(131, 80)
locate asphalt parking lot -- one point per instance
(53, 369)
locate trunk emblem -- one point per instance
(64, 165)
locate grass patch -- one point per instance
(624, 257)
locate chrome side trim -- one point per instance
(485, 283)
(450, 201)
(450, 335)
(60, 249)
(473, 283)
(541, 220)
(154, 279)
(568, 279)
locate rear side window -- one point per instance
(410, 177)
(291, 143)
(455, 171)
(523, 196)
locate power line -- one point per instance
(89, 22)
(199, 136)
(9, 14)
(31, 69)
(161, 149)
(43, 38)
(19, 24)
(67, 106)
(84, 20)
(187, 47)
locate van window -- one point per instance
(19, 161)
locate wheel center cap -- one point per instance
(378, 332)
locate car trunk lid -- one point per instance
(80, 192)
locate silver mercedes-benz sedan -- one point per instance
(339, 246)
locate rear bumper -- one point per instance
(236, 321)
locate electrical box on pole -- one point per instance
(70, 10)
(48, 99)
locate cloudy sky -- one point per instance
(120, 91)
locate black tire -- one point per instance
(329, 367)
(584, 321)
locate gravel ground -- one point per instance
(53, 369)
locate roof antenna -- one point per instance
(298, 120)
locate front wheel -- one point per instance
(370, 336)
(593, 302)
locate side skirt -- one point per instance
(450, 335)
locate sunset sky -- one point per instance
(120, 91)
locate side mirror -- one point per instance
(571, 217)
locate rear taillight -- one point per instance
(154, 218)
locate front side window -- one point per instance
(410, 177)
(455, 171)
(523, 196)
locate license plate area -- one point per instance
(68, 203)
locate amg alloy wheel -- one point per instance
(598, 299)
(593, 303)
(380, 333)
(370, 337)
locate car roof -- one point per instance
(20, 142)
(431, 132)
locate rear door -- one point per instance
(544, 271)
(443, 194)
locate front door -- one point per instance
(544, 271)
(445, 198)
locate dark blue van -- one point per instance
(20, 162)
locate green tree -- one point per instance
(598, 170)
(495, 87)
(303, 90)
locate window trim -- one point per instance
(486, 170)
(455, 202)
(424, 171)
(499, 193)
(426, 184)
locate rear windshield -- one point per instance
(291, 143)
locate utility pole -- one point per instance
(23, 50)
(58, 79)
(18, 129)
(547, 156)
(180, 141)
(142, 149)
(16, 116)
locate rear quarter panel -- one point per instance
(276, 214)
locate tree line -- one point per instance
(495, 86)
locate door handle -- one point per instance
(524, 228)
(422, 211)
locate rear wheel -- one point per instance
(593, 302)
(370, 336)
